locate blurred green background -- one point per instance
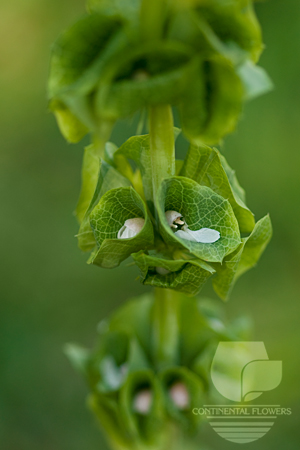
(49, 295)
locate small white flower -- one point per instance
(204, 235)
(174, 219)
(180, 395)
(142, 401)
(162, 271)
(131, 228)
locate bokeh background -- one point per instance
(49, 296)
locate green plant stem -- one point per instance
(165, 327)
(152, 18)
(162, 145)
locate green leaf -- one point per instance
(255, 80)
(186, 276)
(201, 208)
(108, 217)
(146, 74)
(92, 191)
(209, 168)
(243, 258)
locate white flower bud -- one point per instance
(180, 395)
(142, 402)
(131, 228)
(162, 271)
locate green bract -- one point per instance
(124, 364)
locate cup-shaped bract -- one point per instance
(107, 219)
(201, 208)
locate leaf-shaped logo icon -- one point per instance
(241, 371)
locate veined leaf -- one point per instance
(209, 168)
(201, 208)
(243, 258)
(185, 276)
(108, 217)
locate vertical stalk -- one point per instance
(162, 145)
(165, 327)
(165, 314)
(151, 19)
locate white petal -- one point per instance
(162, 271)
(131, 228)
(142, 401)
(187, 235)
(205, 235)
(171, 216)
(180, 395)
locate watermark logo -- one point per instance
(242, 372)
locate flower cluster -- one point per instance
(198, 56)
(141, 400)
(194, 232)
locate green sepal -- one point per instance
(145, 429)
(202, 208)
(94, 186)
(185, 417)
(108, 217)
(243, 258)
(186, 276)
(209, 168)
